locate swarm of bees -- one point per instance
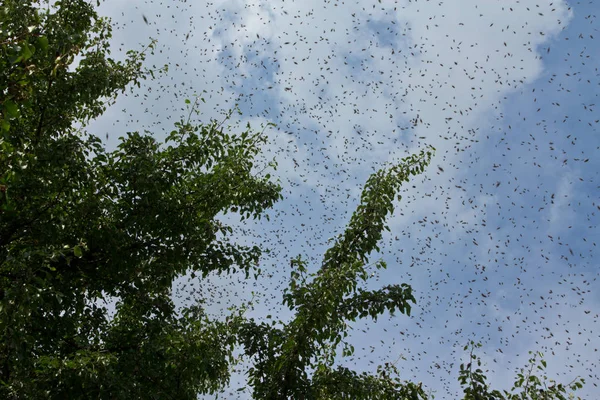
(499, 241)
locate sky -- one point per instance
(498, 237)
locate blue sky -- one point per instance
(498, 237)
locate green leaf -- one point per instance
(5, 125)
(77, 251)
(42, 41)
(26, 51)
(15, 58)
(11, 108)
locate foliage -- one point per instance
(79, 224)
(324, 304)
(527, 385)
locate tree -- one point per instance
(326, 303)
(79, 223)
(526, 385)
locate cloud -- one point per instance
(353, 86)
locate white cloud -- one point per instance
(310, 65)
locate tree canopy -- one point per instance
(79, 223)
